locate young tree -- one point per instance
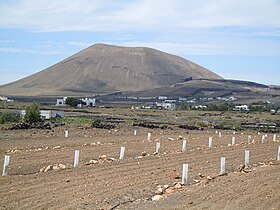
(32, 113)
(72, 101)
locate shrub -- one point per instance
(72, 101)
(32, 113)
(8, 118)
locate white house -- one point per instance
(162, 97)
(46, 114)
(88, 101)
(164, 105)
(61, 101)
(241, 108)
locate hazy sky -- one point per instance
(238, 39)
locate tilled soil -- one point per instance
(133, 183)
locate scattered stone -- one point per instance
(48, 168)
(57, 147)
(144, 153)
(92, 162)
(157, 197)
(103, 157)
(178, 186)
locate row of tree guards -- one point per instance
(184, 149)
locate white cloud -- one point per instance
(109, 15)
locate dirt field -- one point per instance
(132, 183)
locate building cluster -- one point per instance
(89, 102)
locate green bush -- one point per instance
(72, 101)
(32, 113)
(8, 118)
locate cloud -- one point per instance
(110, 15)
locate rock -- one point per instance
(170, 139)
(209, 177)
(56, 147)
(55, 167)
(144, 153)
(178, 186)
(61, 166)
(157, 197)
(180, 137)
(103, 157)
(48, 168)
(92, 162)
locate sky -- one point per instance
(237, 39)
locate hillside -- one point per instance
(104, 68)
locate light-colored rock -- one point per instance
(178, 186)
(48, 168)
(61, 166)
(103, 157)
(157, 197)
(56, 147)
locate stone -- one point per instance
(178, 186)
(56, 147)
(144, 153)
(61, 166)
(48, 168)
(157, 197)
(103, 157)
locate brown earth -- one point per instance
(133, 182)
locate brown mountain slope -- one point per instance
(105, 68)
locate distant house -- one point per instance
(241, 108)
(162, 97)
(88, 101)
(200, 107)
(61, 101)
(165, 105)
(4, 98)
(46, 114)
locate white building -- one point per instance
(162, 97)
(61, 101)
(88, 101)
(164, 105)
(46, 114)
(241, 108)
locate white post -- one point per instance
(157, 147)
(149, 136)
(184, 146)
(5, 165)
(76, 158)
(220, 134)
(274, 137)
(278, 155)
(122, 153)
(233, 140)
(223, 165)
(135, 132)
(249, 139)
(210, 140)
(247, 162)
(185, 173)
(263, 138)
(233, 132)
(66, 133)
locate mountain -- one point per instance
(102, 68)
